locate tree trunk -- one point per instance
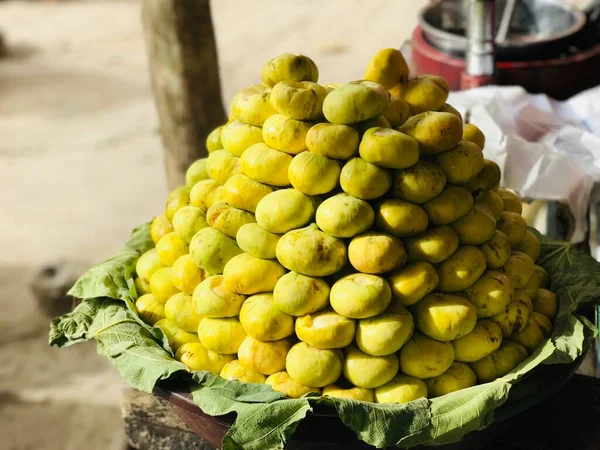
(184, 71)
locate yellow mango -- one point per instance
(413, 282)
(473, 134)
(161, 284)
(500, 362)
(325, 329)
(359, 296)
(235, 371)
(159, 227)
(176, 336)
(376, 253)
(485, 338)
(453, 203)
(204, 193)
(245, 274)
(492, 201)
(433, 246)
(332, 141)
(397, 112)
(344, 216)
(228, 219)
(401, 389)
(386, 333)
(452, 110)
(237, 136)
(530, 245)
(213, 299)
(252, 105)
(264, 357)
(266, 165)
(255, 241)
(213, 140)
(387, 67)
(289, 67)
(546, 303)
(445, 317)
(300, 100)
(178, 198)
(355, 102)
(312, 366)
(425, 93)
(298, 294)
(400, 218)
(388, 148)
(285, 134)
(435, 132)
(519, 267)
(262, 320)
(149, 309)
(211, 250)
(458, 376)
(367, 371)
(196, 172)
(222, 165)
(314, 174)
(461, 163)
(147, 264)
(353, 393)
(512, 202)
(364, 180)
(490, 294)
(475, 228)
(188, 221)
(422, 357)
(196, 357)
(514, 319)
(487, 179)
(311, 252)
(513, 225)
(242, 192)
(181, 312)
(496, 250)
(282, 382)
(461, 269)
(221, 335)
(418, 183)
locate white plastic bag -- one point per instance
(546, 149)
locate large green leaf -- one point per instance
(456, 414)
(114, 277)
(73, 328)
(258, 426)
(234, 390)
(129, 346)
(384, 424)
(574, 276)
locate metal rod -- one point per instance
(504, 26)
(480, 38)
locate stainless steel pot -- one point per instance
(530, 29)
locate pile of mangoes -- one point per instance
(347, 240)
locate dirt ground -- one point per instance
(81, 165)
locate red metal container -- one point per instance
(559, 78)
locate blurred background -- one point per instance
(81, 164)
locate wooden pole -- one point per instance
(184, 72)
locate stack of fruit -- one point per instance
(348, 240)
